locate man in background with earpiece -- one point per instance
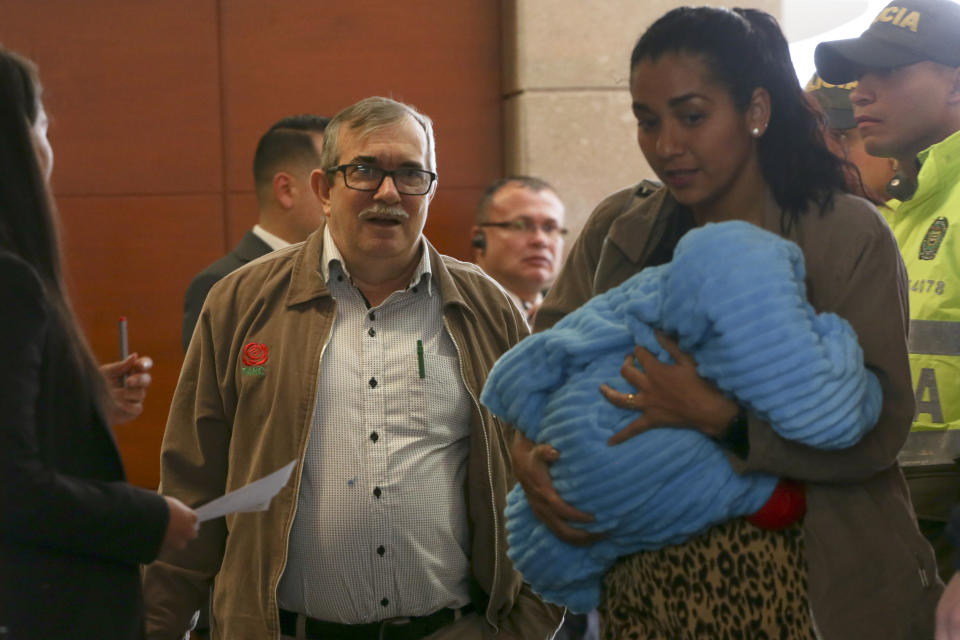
(518, 238)
(518, 241)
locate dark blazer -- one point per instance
(72, 531)
(249, 248)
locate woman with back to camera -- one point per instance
(722, 121)
(72, 531)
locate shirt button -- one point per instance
(373, 316)
(377, 492)
(381, 550)
(339, 278)
(371, 333)
(414, 289)
(374, 436)
(384, 602)
(373, 383)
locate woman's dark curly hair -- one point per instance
(743, 50)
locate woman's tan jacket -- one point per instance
(871, 572)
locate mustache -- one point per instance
(383, 211)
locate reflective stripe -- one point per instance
(933, 337)
(930, 448)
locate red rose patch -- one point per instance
(255, 354)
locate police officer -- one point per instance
(842, 136)
(907, 106)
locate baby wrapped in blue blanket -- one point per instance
(734, 298)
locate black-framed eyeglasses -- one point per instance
(367, 177)
(525, 225)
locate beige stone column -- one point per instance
(566, 103)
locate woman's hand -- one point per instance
(127, 382)
(531, 466)
(669, 395)
(181, 528)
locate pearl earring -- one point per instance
(755, 132)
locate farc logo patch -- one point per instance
(254, 357)
(933, 239)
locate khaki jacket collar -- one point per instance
(306, 278)
(641, 222)
(650, 221)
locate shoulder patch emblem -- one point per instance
(931, 241)
(254, 356)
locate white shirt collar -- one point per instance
(331, 254)
(274, 242)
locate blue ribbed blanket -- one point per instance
(734, 298)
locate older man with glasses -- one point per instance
(360, 354)
(518, 238)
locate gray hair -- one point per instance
(367, 116)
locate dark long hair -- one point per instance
(28, 219)
(743, 50)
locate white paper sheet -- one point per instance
(256, 496)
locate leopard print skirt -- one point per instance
(733, 581)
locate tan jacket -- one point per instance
(871, 573)
(231, 423)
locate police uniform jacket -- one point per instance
(926, 228)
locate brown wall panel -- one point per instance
(133, 257)
(19, 29)
(320, 57)
(133, 94)
(241, 215)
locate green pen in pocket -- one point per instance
(423, 371)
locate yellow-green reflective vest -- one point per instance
(927, 228)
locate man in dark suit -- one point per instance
(289, 210)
